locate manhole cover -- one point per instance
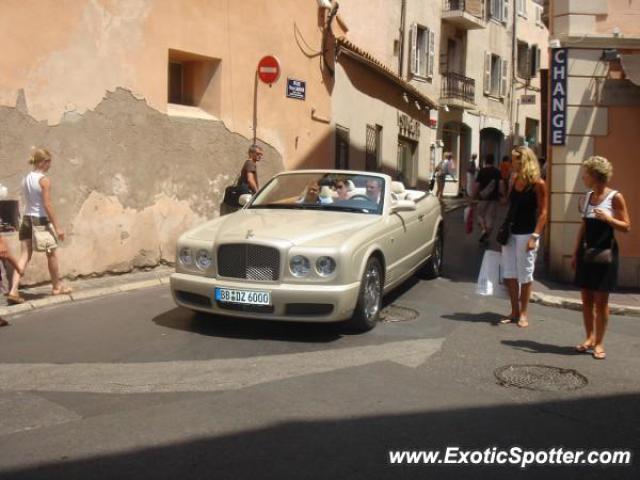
(396, 313)
(540, 377)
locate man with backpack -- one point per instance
(487, 189)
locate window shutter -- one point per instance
(487, 73)
(533, 61)
(505, 11)
(505, 75)
(432, 53)
(492, 12)
(413, 58)
(524, 8)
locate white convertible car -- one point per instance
(311, 245)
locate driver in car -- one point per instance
(374, 189)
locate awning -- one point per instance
(349, 48)
(631, 66)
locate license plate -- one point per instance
(245, 297)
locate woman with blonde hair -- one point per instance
(521, 231)
(595, 258)
(36, 188)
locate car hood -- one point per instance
(296, 227)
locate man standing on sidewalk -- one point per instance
(488, 187)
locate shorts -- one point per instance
(26, 227)
(517, 261)
(487, 212)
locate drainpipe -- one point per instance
(514, 49)
(403, 26)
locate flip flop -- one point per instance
(599, 355)
(506, 320)
(61, 291)
(583, 348)
(14, 299)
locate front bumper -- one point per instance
(291, 302)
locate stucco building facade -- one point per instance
(600, 113)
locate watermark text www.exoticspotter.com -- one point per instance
(515, 456)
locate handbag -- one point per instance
(232, 193)
(597, 256)
(44, 238)
(432, 182)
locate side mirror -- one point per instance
(403, 206)
(244, 199)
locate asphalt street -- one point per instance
(130, 386)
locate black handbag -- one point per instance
(232, 193)
(597, 256)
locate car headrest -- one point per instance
(397, 188)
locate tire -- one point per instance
(433, 266)
(369, 304)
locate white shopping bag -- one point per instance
(490, 282)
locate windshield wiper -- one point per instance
(335, 208)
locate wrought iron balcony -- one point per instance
(465, 14)
(458, 90)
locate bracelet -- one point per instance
(535, 235)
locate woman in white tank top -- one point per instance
(595, 258)
(36, 188)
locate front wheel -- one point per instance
(367, 310)
(433, 266)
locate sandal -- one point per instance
(509, 319)
(523, 323)
(599, 355)
(61, 291)
(3, 322)
(583, 347)
(14, 299)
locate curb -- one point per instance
(574, 304)
(82, 295)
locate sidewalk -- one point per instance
(39, 297)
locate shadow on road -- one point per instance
(530, 346)
(228, 327)
(485, 317)
(348, 448)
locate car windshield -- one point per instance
(323, 191)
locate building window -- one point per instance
(531, 127)
(342, 148)
(193, 80)
(528, 60)
(423, 47)
(373, 148)
(521, 7)
(496, 73)
(538, 9)
(499, 10)
(407, 161)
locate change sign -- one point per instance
(558, 125)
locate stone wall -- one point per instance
(127, 179)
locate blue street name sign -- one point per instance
(296, 89)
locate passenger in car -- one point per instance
(311, 193)
(344, 188)
(374, 188)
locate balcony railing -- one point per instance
(456, 86)
(472, 7)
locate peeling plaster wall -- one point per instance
(127, 179)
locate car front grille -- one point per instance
(249, 262)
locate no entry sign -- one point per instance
(269, 69)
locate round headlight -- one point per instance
(203, 259)
(325, 266)
(185, 256)
(299, 266)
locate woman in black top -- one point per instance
(528, 216)
(604, 211)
